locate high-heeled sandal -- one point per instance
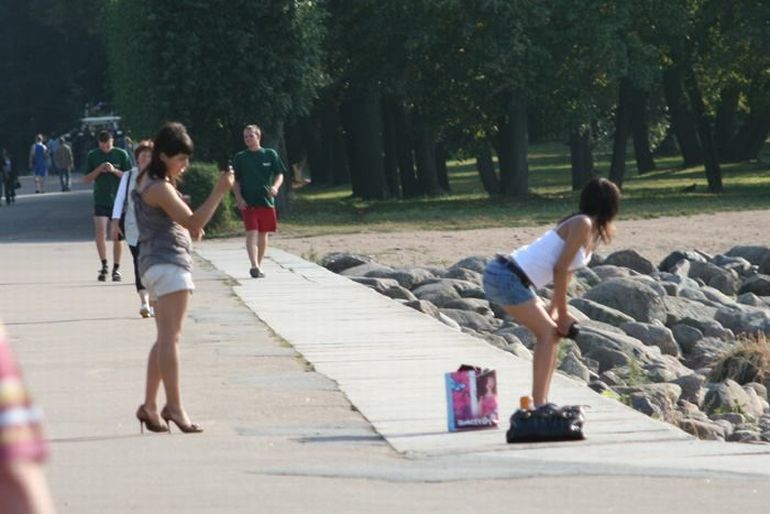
(145, 420)
(192, 428)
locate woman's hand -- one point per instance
(563, 324)
(226, 181)
(196, 235)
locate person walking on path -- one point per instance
(23, 487)
(166, 227)
(105, 166)
(258, 177)
(64, 163)
(124, 211)
(509, 279)
(38, 155)
(9, 175)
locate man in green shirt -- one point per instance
(258, 176)
(105, 166)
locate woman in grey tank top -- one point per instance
(166, 227)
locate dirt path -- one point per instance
(653, 238)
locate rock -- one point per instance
(599, 312)
(675, 257)
(758, 284)
(399, 293)
(654, 399)
(760, 389)
(464, 274)
(605, 272)
(521, 332)
(706, 352)
(744, 436)
(680, 309)
(406, 277)
(599, 386)
(729, 396)
(438, 293)
(738, 264)
(472, 320)
(446, 320)
(378, 284)
(572, 366)
(608, 358)
(653, 335)
(475, 263)
(425, 307)
(692, 388)
(519, 350)
(337, 262)
(726, 281)
(745, 319)
(717, 297)
(362, 270)
(470, 304)
(631, 297)
(612, 378)
(703, 429)
(751, 299)
(630, 259)
(686, 336)
(753, 254)
(587, 276)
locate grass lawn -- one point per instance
(665, 192)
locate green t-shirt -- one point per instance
(106, 184)
(255, 173)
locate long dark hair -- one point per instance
(600, 199)
(171, 140)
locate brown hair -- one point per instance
(600, 198)
(144, 145)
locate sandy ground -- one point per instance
(653, 238)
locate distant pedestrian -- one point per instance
(64, 163)
(38, 156)
(10, 178)
(166, 227)
(124, 210)
(258, 177)
(105, 166)
(23, 486)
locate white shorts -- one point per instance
(163, 279)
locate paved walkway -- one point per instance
(354, 422)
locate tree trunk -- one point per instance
(639, 131)
(486, 167)
(410, 186)
(581, 156)
(367, 162)
(347, 115)
(682, 120)
(513, 146)
(390, 144)
(711, 157)
(726, 121)
(748, 142)
(622, 130)
(441, 167)
(425, 155)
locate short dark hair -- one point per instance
(144, 146)
(104, 136)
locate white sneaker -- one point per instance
(145, 311)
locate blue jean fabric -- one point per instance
(503, 287)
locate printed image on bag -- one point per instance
(471, 398)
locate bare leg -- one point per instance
(100, 229)
(261, 246)
(169, 315)
(533, 316)
(117, 250)
(251, 246)
(23, 488)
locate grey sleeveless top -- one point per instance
(161, 239)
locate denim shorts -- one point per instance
(503, 287)
(163, 279)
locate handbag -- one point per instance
(546, 423)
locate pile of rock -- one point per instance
(650, 335)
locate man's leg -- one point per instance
(251, 247)
(261, 246)
(100, 230)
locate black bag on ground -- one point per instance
(547, 423)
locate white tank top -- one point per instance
(538, 258)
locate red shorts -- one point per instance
(261, 219)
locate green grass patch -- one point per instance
(668, 191)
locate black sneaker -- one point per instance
(256, 272)
(102, 275)
(116, 276)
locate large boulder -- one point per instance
(599, 312)
(476, 305)
(573, 366)
(438, 293)
(729, 396)
(406, 277)
(686, 336)
(473, 320)
(606, 272)
(399, 293)
(654, 399)
(653, 335)
(679, 309)
(337, 262)
(754, 254)
(745, 320)
(362, 270)
(692, 388)
(464, 274)
(758, 284)
(726, 281)
(632, 297)
(475, 263)
(706, 352)
(378, 284)
(676, 257)
(630, 259)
